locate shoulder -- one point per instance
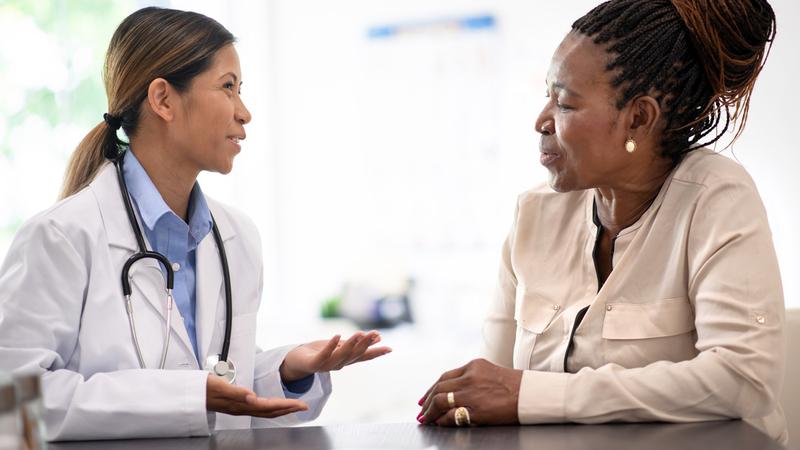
(74, 221)
(704, 167)
(232, 221)
(77, 212)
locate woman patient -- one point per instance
(642, 283)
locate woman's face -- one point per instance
(583, 141)
(213, 115)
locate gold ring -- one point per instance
(462, 417)
(451, 400)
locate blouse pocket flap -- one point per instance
(533, 312)
(661, 318)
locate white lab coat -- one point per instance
(62, 313)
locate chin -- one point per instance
(225, 167)
(557, 184)
(567, 179)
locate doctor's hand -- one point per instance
(239, 401)
(489, 392)
(325, 356)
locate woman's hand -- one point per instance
(325, 356)
(239, 401)
(488, 391)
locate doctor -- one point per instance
(161, 345)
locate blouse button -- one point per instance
(556, 307)
(176, 267)
(609, 307)
(761, 319)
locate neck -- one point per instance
(173, 178)
(621, 206)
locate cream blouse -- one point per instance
(687, 327)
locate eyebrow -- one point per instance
(564, 88)
(234, 77)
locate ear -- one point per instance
(161, 97)
(645, 114)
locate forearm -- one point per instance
(707, 387)
(268, 383)
(125, 404)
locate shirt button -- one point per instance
(609, 307)
(761, 319)
(556, 307)
(176, 267)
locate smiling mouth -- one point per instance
(234, 139)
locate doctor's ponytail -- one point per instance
(151, 43)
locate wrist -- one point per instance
(290, 374)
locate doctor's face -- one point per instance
(213, 115)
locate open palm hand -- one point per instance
(333, 354)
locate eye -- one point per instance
(228, 85)
(563, 107)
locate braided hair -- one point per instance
(698, 58)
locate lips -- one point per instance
(235, 139)
(548, 157)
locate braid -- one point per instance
(698, 58)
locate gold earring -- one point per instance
(630, 145)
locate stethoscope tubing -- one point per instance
(143, 253)
(226, 277)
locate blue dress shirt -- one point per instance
(169, 235)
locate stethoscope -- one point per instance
(219, 364)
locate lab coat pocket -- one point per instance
(533, 314)
(637, 334)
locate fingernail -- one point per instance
(421, 401)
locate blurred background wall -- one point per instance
(389, 141)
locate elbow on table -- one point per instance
(755, 397)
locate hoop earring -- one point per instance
(630, 145)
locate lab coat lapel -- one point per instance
(210, 298)
(109, 198)
(210, 294)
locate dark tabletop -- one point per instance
(728, 435)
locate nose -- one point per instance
(545, 124)
(242, 114)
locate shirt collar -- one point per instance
(151, 204)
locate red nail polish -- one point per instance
(421, 401)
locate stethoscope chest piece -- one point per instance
(223, 369)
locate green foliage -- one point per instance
(77, 26)
(51, 63)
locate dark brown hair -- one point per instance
(699, 58)
(150, 43)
